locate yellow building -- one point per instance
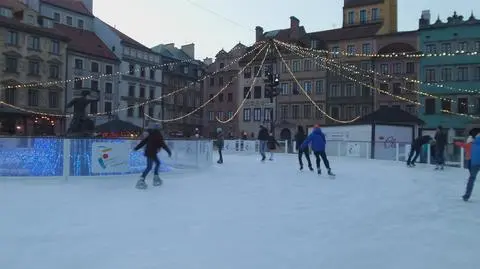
(358, 12)
(32, 52)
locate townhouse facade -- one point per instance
(181, 71)
(33, 52)
(455, 79)
(140, 75)
(91, 65)
(224, 106)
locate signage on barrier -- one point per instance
(353, 150)
(110, 157)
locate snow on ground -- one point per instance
(248, 215)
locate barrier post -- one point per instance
(397, 152)
(286, 146)
(66, 158)
(428, 154)
(462, 157)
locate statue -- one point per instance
(81, 124)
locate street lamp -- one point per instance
(271, 83)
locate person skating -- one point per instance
(474, 167)
(152, 143)
(300, 137)
(440, 143)
(416, 149)
(263, 138)
(467, 146)
(272, 145)
(318, 143)
(220, 144)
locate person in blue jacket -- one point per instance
(318, 142)
(474, 167)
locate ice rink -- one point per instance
(246, 215)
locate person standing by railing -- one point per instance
(263, 138)
(417, 148)
(220, 144)
(300, 137)
(440, 143)
(318, 142)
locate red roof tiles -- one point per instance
(72, 5)
(86, 42)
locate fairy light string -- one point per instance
(249, 90)
(68, 115)
(306, 93)
(214, 96)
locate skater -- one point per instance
(440, 143)
(220, 144)
(272, 145)
(263, 138)
(474, 167)
(318, 143)
(153, 143)
(467, 146)
(300, 137)
(416, 149)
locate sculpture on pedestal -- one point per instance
(81, 124)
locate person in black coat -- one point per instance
(440, 144)
(220, 144)
(417, 148)
(272, 145)
(263, 138)
(152, 143)
(300, 137)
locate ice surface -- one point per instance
(246, 215)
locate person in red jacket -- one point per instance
(153, 143)
(467, 146)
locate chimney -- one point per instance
(258, 33)
(87, 3)
(294, 27)
(424, 19)
(189, 49)
(208, 61)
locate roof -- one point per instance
(128, 40)
(285, 35)
(170, 51)
(15, 5)
(347, 33)
(72, 5)
(86, 42)
(12, 23)
(390, 115)
(359, 3)
(396, 47)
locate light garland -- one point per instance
(211, 98)
(393, 55)
(459, 114)
(470, 91)
(139, 104)
(306, 93)
(249, 91)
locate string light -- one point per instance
(139, 104)
(214, 96)
(306, 93)
(249, 90)
(471, 91)
(459, 114)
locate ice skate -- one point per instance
(219, 161)
(301, 167)
(141, 184)
(157, 181)
(319, 171)
(311, 168)
(330, 173)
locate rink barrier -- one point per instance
(393, 151)
(239, 146)
(58, 157)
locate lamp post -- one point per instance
(271, 83)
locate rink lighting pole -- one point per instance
(271, 83)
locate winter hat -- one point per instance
(470, 139)
(316, 125)
(219, 130)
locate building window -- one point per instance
(131, 69)
(54, 71)
(142, 92)
(31, 19)
(108, 87)
(295, 66)
(152, 74)
(229, 97)
(318, 113)
(32, 97)
(257, 92)
(397, 88)
(462, 105)
(462, 46)
(319, 87)
(80, 24)
(351, 49)
(257, 114)
(77, 83)
(446, 74)
(295, 111)
(78, 64)
(211, 116)
(397, 68)
(10, 96)
(142, 72)
(384, 68)
(411, 109)
(307, 65)
(247, 73)
(462, 74)
(307, 111)
(335, 90)
(446, 104)
(11, 65)
(247, 114)
(410, 86)
(152, 93)
(257, 72)
(141, 111)
(108, 69)
(151, 111)
(55, 49)
(185, 70)
(350, 112)
(220, 97)
(94, 85)
(366, 49)
(220, 81)
(56, 17)
(284, 112)
(349, 90)
(430, 75)
(69, 20)
(94, 67)
(446, 47)
(131, 91)
(247, 93)
(267, 113)
(410, 68)
(431, 48)
(384, 87)
(34, 68)
(365, 110)
(212, 82)
(335, 112)
(366, 91)
(107, 107)
(430, 106)
(335, 51)
(307, 86)
(351, 17)
(285, 89)
(53, 101)
(295, 90)
(12, 38)
(363, 16)
(130, 110)
(375, 14)
(34, 43)
(477, 46)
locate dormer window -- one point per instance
(363, 16)
(351, 17)
(6, 12)
(56, 17)
(69, 20)
(31, 19)
(80, 24)
(375, 14)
